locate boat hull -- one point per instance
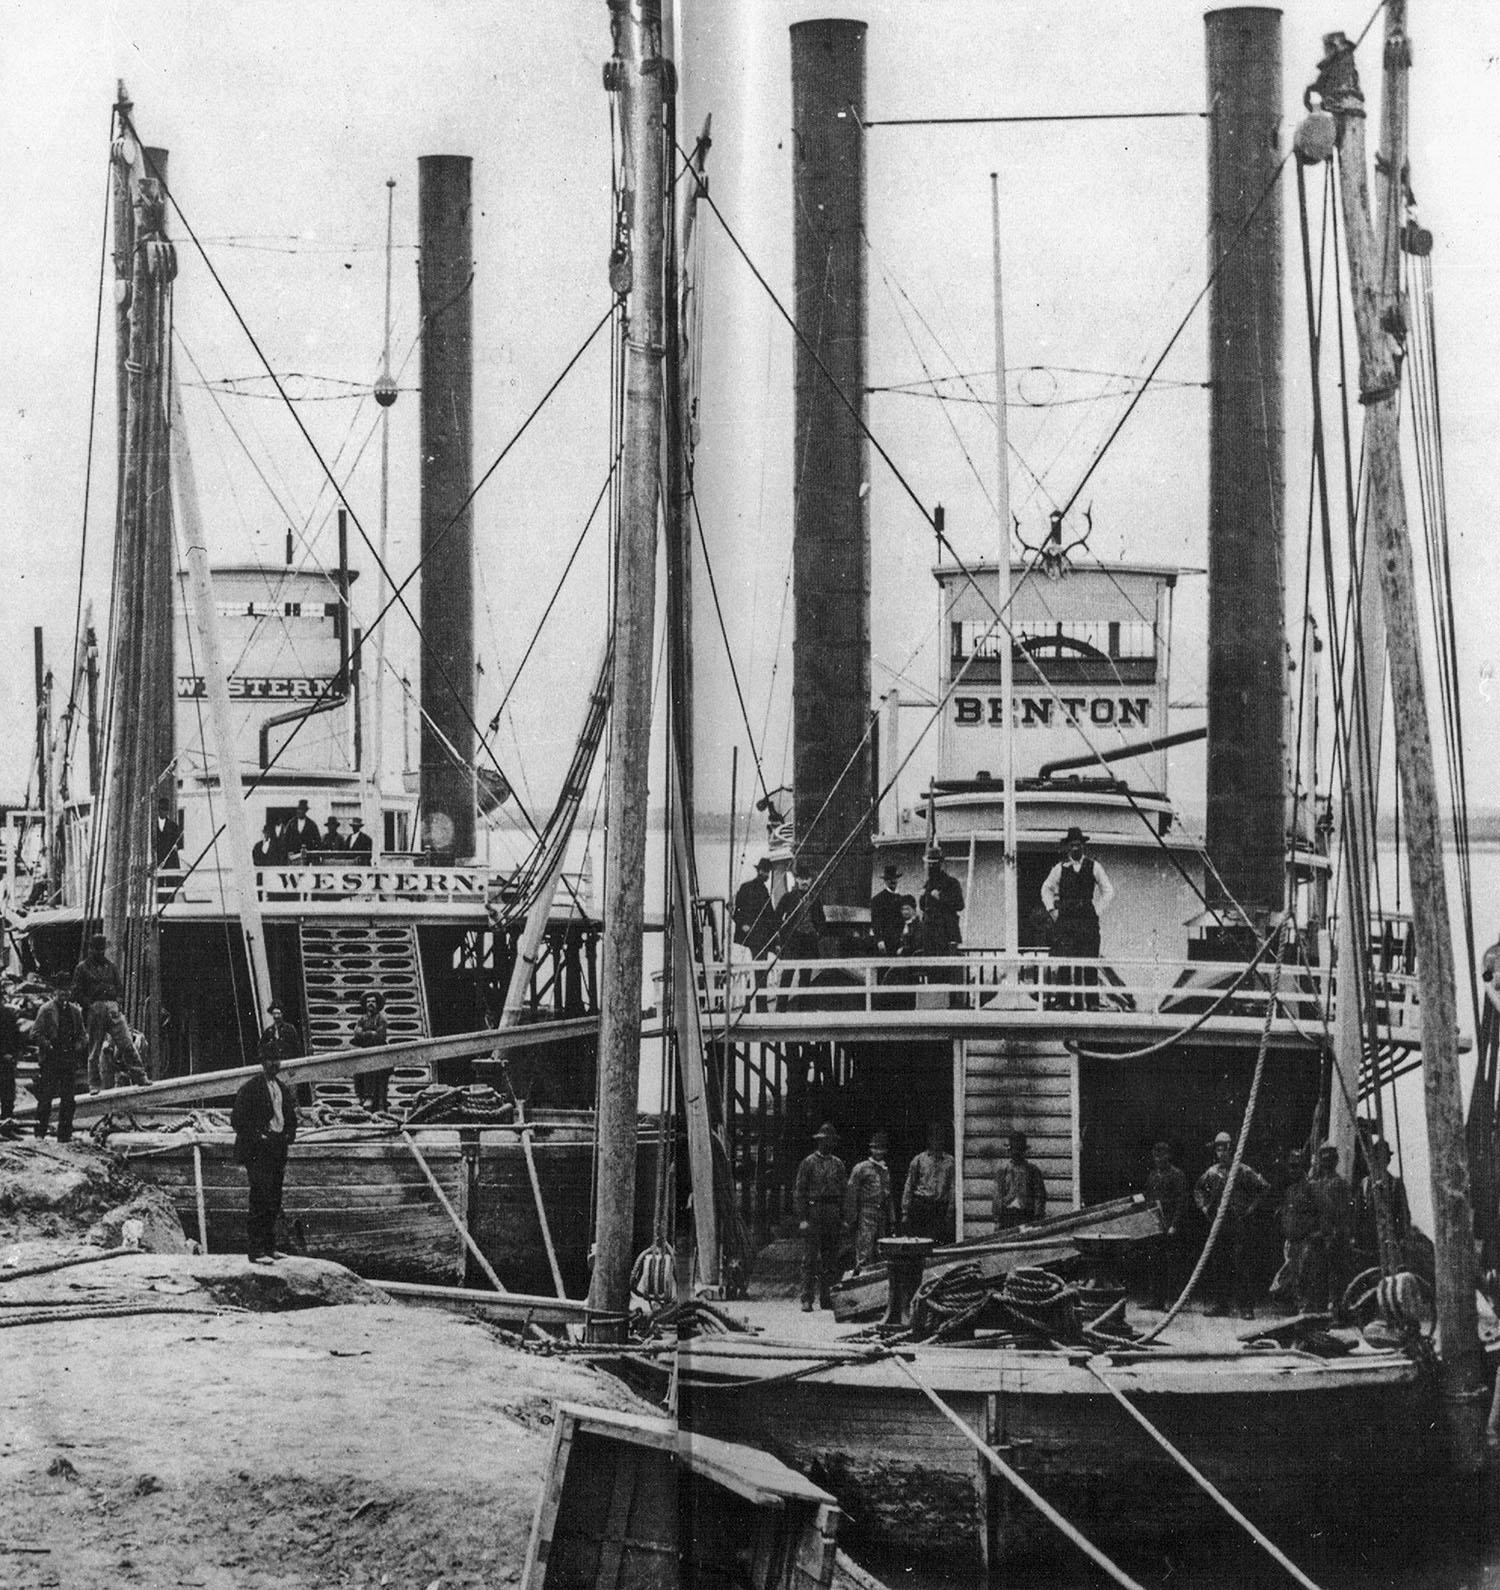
(1297, 1443)
(367, 1204)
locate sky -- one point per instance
(284, 122)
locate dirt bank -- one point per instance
(351, 1445)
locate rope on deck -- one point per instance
(1200, 1479)
(1006, 1472)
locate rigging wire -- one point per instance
(398, 591)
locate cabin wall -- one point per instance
(1013, 1085)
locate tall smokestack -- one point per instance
(831, 547)
(447, 606)
(1246, 617)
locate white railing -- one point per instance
(1033, 989)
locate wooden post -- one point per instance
(1377, 312)
(637, 73)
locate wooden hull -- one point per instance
(363, 1201)
(1299, 1444)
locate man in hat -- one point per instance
(1298, 1218)
(331, 839)
(869, 1213)
(264, 1121)
(97, 987)
(1335, 1238)
(299, 834)
(61, 1039)
(940, 904)
(801, 923)
(927, 1198)
(1075, 894)
(753, 913)
(1232, 1281)
(371, 1032)
(361, 846)
(818, 1203)
(1020, 1197)
(885, 912)
(267, 850)
(1381, 1184)
(1167, 1189)
(280, 1040)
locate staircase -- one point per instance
(1016, 1085)
(343, 961)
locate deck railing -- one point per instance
(980, 988)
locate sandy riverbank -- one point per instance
(281, 1426)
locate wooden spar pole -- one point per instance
(638, 73)
(1377, 311)
(385, 396)
(221, 722)
(1003, 591)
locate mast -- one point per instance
(1246, 829)
(1003, 587)
(140, 658)
(831, 777)
(385, 396)
(638, 73)
(447, 599)
(1379, 326)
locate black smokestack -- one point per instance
(447, 606)
(1246, 620)
(831, 549)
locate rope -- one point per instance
(1221, 1213)
(1192, 1026)
(1201, 1480)
(1007, 1473)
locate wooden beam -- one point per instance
(523, 1307)
(336, 1064)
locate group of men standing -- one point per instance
(1323, 1221)
(838, 1210)
(1074, 895)
(794, 926)
(299, 839)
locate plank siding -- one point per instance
(1016, 1085)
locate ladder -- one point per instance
(343, 961)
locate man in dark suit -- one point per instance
(361, 846)
(281, 1039)
(264, 1120)
(300, 834)
(885, 914)
(754, 914)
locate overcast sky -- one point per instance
(285, 120)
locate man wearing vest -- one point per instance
(1076, 893)
(264, 1121)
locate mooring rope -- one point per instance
(1221, 1213)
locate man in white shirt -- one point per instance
(264, 1120)
(1076, 894)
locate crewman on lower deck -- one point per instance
(1231, 1284)
(1020, 1192)
(818, 1203)
(869, 1213)
(1167, 1189)
(927, 1200)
